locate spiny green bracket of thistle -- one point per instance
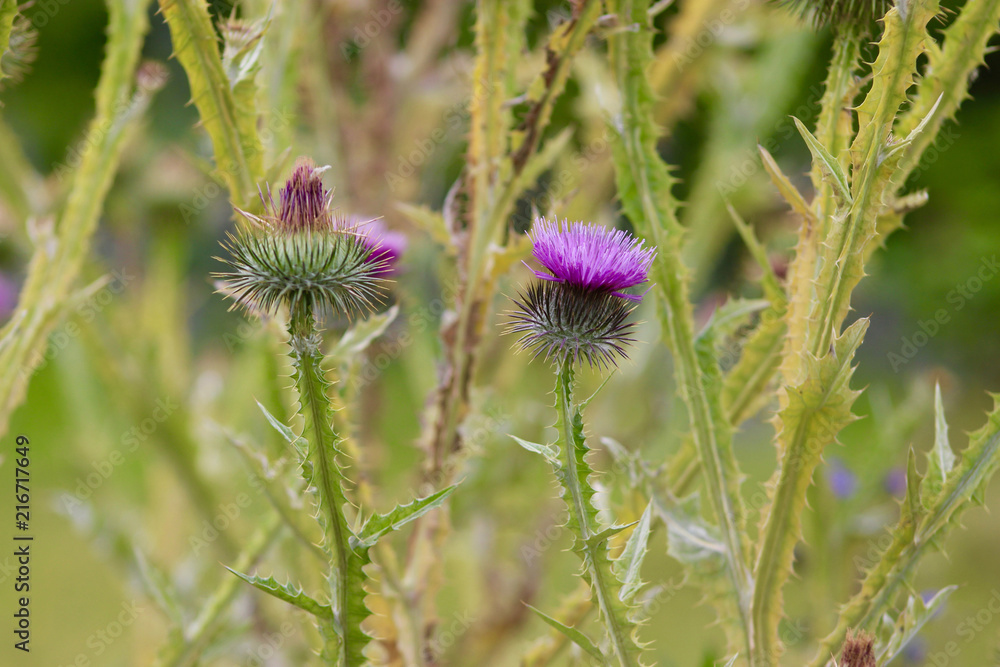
(298, 256)
(578, 312)
(842, 14)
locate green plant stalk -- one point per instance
(51, 276)
(323, 472)
(494, 190)
(916, 534)
(238, 152)
(187, 650)
(579, 499)
(947, 76)
(17, 177)
(812, 415)
(644, 184)
(894, 69)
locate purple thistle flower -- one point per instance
(578, 311)
(842, 481)
(305, 203)
(296, 253)
(386, 245)
(590, 256)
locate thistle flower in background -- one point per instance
(386, 245)
(579, 309)
(298, 254)
(843, 482)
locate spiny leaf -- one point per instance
(233, 130)
(591, 542)
(380, 524)
(362, 333)
(287, 593)
(572, 634)
(909, 622)
(947, 75)
(785, 187)
(941, 459)
(430, 222)
(913, 537)
(829, 166)
(772, 288)
(550, 452)
(628, 566)
(812, 415)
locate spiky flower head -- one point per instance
(839, 13)
(298, 253)
(590, 256)
(578, 311)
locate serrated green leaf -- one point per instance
(830, 168)
(941, 459)
(298, 442)
(572, 634)
(790, 193)
(287, 593)
(430, 222)
(909, 623)
(628, 566)
(911, 542)
(550, 452)
(362, 333)
(380, 524)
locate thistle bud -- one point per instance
(298, 254)
(839, 13)
(21, 51)
(579, 310)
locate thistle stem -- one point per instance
(314, 402)
(603, 590)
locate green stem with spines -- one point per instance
(55, 267)
(573, 477)
(323, 473)
(917, 531)
(644, 184)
